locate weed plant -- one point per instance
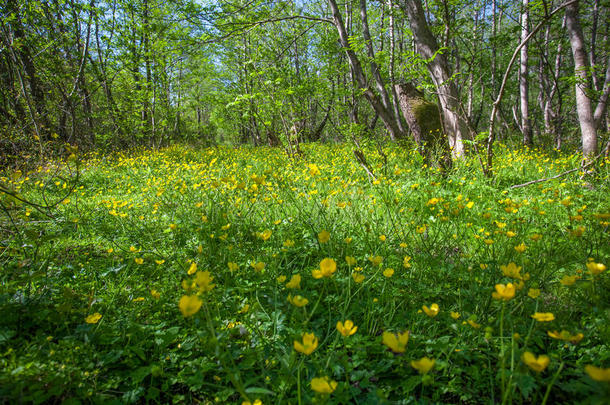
(242, 275)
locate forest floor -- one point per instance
(236, 275)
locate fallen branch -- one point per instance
(558, 175)
(360, 158)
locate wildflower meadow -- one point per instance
(244, 275)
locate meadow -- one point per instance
(244, 275)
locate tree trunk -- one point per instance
(438, 67)
(523, 78)
(423, 118)
(374, 100)
(581, 67)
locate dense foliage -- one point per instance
(146, 72)
(228, 275)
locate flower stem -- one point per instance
(548, 388)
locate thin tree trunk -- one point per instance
(523, 77)
(427, 47)
(581, 67)
(384, 113)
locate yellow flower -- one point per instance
(313, 170)
(569, 280)
(472, 323)
(155, 294)
(256, 402)
(265, 235)
(139, 299)
(232, 266)
(346, 329)
(189, 305)
(323, 385)
(489, 241)
(258, 266)
(537, 364)
(297, 300)
(455, 315)
(432, 311)
(328, 266)
(281, 279)
(423, 365)
(533, 293)
(348, 240)
(597, 373)
(543, 316)
(566, 336)
(375, 260)
(324, 236)
(159, 262)
(388, 272)
(308, 345)
(421, 229)
(295, 282)
(504, 292)
(406, 262)
(288, 243)
(351, 261)
(204, 281)
(536, 237)
(139, 260)
(358, 277)
(382, 238)
(511, 270)
(192, 269)
(396, 342)
(93, 318)
(511, 234)
(244, 309)
(596, 268)
(520, 248)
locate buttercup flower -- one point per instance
(323, 385)
(537, 364)
(388, 273)
(324, 236)
(543, 316)
(504, 292)
(597, 373)
(396, 342)
(423, 365)
(533, 293)
(93, 318)
(189, 305)
(511, 270)
(346, 328)
(351, 261)
(432, 311)
(375, 260)
(297, 300)
(295, 282)
(566, 336)
(358, 277)
(327, 268)
(308, 344)
(596, 268)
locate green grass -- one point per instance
(180, 206)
